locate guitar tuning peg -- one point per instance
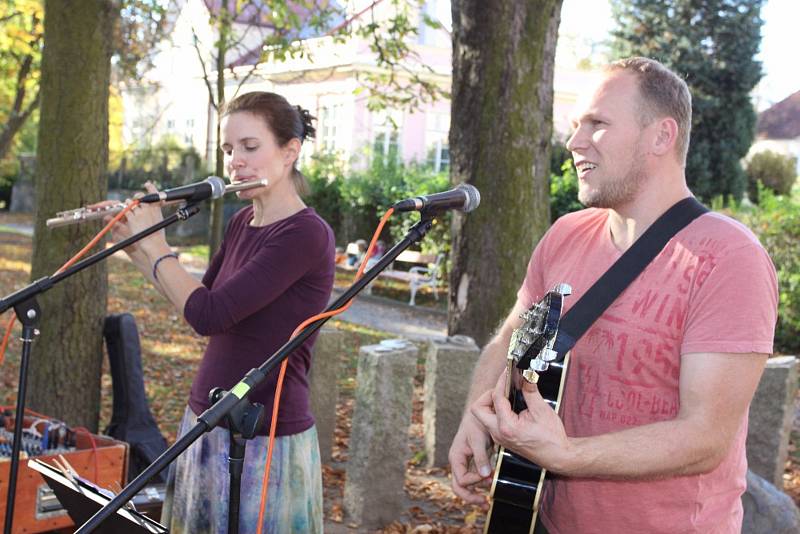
(539, 366)
(531, 376)
(563, 289)
(548, 354)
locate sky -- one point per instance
(585, 22)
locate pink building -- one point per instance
(329, 80)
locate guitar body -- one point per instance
(518, 483)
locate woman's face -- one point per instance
(252, 153)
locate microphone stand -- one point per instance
(28, 312)
(232, 398)
(243, 424)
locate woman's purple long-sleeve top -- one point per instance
(263, 282)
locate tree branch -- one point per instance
(14, 123)
(195, 43)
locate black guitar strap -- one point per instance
(624, 271)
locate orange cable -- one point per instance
(75, 258)
(277, 400)
(69, 263)
(94, 451)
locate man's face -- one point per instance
(606, 144)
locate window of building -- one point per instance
(330, 131)
(386, 133)
(438, 12)
(437, 131)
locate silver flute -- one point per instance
(76, 216)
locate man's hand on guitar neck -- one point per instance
(469, 460)
(536, 433)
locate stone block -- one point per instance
(449, 363)
(375, 474)
(771, 415)
(23, 198)
(326, 364)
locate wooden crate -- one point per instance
(35, 509)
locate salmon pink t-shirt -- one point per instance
(712, 289)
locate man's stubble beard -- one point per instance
(617, 192)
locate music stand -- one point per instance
(82, 500)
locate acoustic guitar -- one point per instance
(517, 485)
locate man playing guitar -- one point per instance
(654, 410)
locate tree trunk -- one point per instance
(501, 125)
(217, 228)
(71, 163)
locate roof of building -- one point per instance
(781, 121)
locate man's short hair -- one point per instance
(663, 93)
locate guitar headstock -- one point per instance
(531, 347)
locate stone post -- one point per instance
(23, 196)
(771, 415)
(373, 491)
(326, 364)
(448, 374)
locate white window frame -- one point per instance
(437, 134)
(387, 124)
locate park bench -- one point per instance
(424, 272)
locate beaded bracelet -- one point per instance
(155, 264)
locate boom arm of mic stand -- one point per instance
(209, 418)
(45, 283)
(27, 310)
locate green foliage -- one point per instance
(414, 180)
(712, 44)
(559, 154)
(399, 82)
(353, 202)
(165, 164)
(142, 25)
(776, 222)
(563, 182)
(564, 191)
(325, 173)
(776, 172)
(21, 33)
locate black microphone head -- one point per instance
(473, 197)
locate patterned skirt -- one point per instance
(197, 486)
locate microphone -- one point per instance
(464, 198)
(211, 187)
